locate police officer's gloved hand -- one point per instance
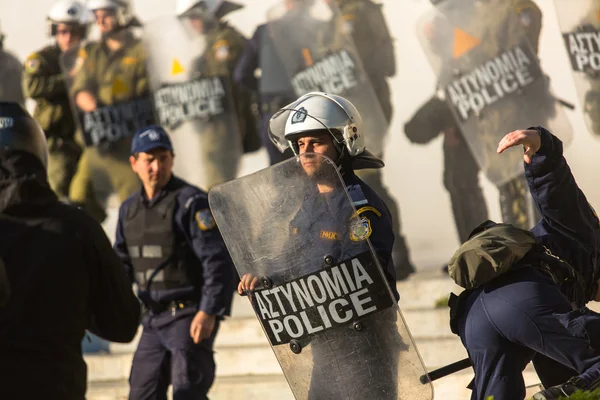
(562, 391)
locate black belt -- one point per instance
(173, 305)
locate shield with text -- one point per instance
(580, 27)
(489, 75)
(318, 288)
(193, 99)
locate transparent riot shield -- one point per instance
(580, 27)
(490, 77)
(319, 55)
(121, 99)
(321, 295)
(193, 100)
(111, 100)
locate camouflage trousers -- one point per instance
(99, 174)
(63, 160)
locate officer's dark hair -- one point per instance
(20, 132)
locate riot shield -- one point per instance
(490, 77)
(111, 100)
(193, 101)
(580, 27)
(319, 55)
(123, 102)
(321, 295)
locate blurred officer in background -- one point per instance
(461, 170)
(224, 48)
(64, 276)
(364, 22)
(170, 245)
(108, 72)
(44, 82)
(261, 69)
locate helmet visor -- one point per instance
(293, 120)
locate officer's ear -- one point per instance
(132, 159)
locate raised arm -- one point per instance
(559, 200)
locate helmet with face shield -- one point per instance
(318, 111)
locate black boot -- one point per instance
(564, 391)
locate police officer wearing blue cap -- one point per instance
(172, 249)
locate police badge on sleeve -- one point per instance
(205, 220)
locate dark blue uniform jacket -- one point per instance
(215, 291)
(324, 214)
(569, 226)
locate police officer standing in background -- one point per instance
(110, 71)
(364, 22)
(261, 69)
(44, 82)
(461, 170)
(64, 276)
(170, 245)
(224, 48)
(10, 75)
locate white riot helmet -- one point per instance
(68, 12)
(121, 8)
(317, 111)
(205, 8)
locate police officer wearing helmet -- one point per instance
(171, 247)
(331, 126)
(108, 72)
(45, 82)
(224, 46)
(56, 258)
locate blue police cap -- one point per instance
(150, 138)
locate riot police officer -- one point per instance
(169, 243)
(10, 75)
(224, 45)
(461, 171)
(329, 125)
(108, 72)
(64, 275)
(44, 81)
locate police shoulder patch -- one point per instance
(360, 228)
(348, 25)
(32, 64)
(205, 220)
(129, 61)
(82, 53)
(221, 50)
